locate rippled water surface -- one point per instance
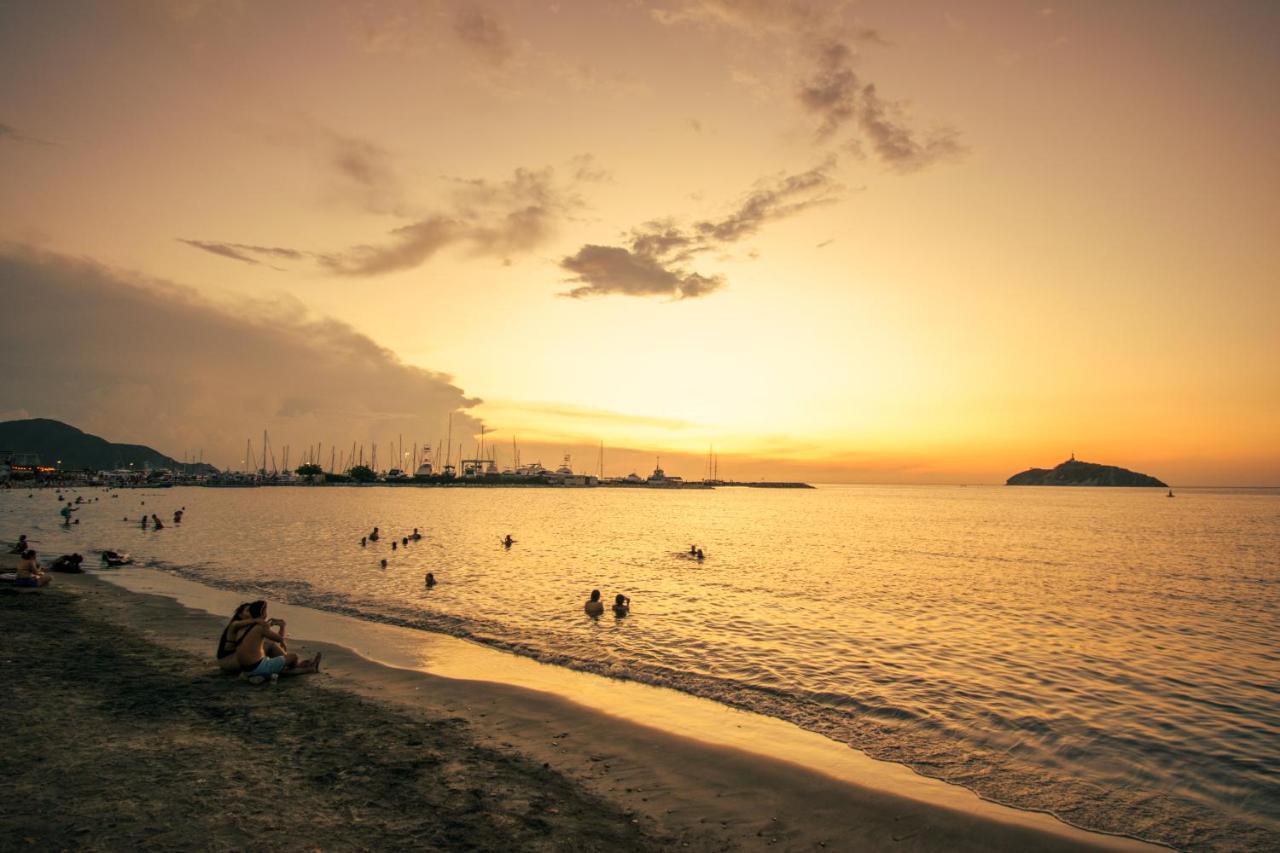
(1109, 655)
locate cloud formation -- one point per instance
(653, 263)
(497, 219)
(488, 218)
(202, 376)
(483, 33)
(12, 134)
(838, 97)
(244, 251)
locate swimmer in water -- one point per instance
(373, 537)
(363, 540)
(144, 522)
(700, 555)
(384, 562)
(416, 535)
(431, 580)
(693, 550)
(594, 606)
(508, 542)
(621, 605)
(404, 540)
(393, 544)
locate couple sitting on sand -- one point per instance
(248, 645)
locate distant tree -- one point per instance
(309, 470)
(363, 474)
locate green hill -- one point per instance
(1076, 473)
(53, 441)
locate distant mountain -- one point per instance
(54, 440)
(1076, 473)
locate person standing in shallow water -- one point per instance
(594, 606)
(621, 605)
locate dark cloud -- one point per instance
(654, 261)
(601, 270)
(12, 134)
(840, 98)
(482, 33)
(202, 376)
(244, 251)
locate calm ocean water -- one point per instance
(1109, 655)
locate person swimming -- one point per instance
(144, 522)
(404, 540)
(373, 537)
(115, 558)
(159, 525)
(693, 550)
(69, 563)
(699, 555)
(416, 535)
(621, 605)
(20, 545)
(177, 516)
(431, 580)
(508, 541)
(384, 562)
(364, 541)
(594, 606)
(394, 544)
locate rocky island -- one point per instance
(1073, 472)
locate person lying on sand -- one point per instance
(621, 605)
(29, 572)
(251, 652)
(236, 632)
(594, 606)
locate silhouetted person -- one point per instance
(393, 544)
(693, 550)
(621, 605)
(700, 555)
(508, 541)
(363, 540)
(404, 540)
(431, 580)
(416, 535)
(594, 606)
(373, 537)
(384, 562)
(69, 563)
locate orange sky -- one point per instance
(844, 242)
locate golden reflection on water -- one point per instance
(1106, 654)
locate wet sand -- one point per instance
(133, 739)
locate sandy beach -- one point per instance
(133, 739)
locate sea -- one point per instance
(1108, 655)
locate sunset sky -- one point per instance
(864, 241)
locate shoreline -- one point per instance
(685, 764)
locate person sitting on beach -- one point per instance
(29, 572)
(20, 545)
(621, 605)
(251, 651)
(235, 633)
(373, 537)
(69, 563)
(431, 580)
(416, 535)
(594, 606)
